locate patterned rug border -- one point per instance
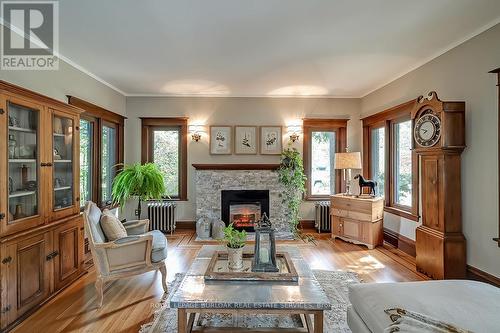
(338, 312)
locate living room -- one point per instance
(188, 166)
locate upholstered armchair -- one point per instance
(141, 251)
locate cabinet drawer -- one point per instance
(352, 205)
(340, 212)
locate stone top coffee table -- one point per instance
(195, 295)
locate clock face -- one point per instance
(427, 130)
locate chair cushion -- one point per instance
(469, 305)
(94, 217)
(159, 251)
(112, 227)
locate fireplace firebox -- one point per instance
(244, 207)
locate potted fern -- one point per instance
(144, 182)
(235, 241)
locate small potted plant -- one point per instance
(235, 241)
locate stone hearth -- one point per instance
(210, 183)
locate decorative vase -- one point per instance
(218, 229)
(19, 214)
(235, 259)
(203, 228)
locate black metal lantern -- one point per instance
(264, 259)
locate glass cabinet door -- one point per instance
(63, 162)
(23, 181)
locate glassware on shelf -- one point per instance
(63, 162)
(12, 146)
(23, 161)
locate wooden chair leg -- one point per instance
(99, 284)
(163, 271)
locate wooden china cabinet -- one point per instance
(439, 140)
(41, 230)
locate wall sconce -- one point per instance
(294, 131)
(195, 131)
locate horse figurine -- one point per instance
(366, 183)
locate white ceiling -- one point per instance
(340, 48)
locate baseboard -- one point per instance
(307, 224)
(474, 273)
(185, 225)
(399, 241)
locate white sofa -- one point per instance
(467, 304)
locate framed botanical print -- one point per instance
(245, 140)
(270, 140)
(221, 140)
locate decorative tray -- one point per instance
(218, 269)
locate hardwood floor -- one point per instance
(129, 303)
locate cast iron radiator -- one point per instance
(323, 220)
(161, 215)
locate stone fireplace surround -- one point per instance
(211, 179)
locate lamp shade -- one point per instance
(348, 160)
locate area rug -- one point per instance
(334, 283)
(279, 235)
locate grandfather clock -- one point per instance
(438, 140)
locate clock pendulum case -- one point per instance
(438, 140)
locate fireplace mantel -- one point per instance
(236, 166)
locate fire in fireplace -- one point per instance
(244, 215)
(244, 207)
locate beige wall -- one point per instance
(234, 111)
(67, 81)
(462, 74)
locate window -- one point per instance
(402, 164)
(166, 154)
(86, 135)
(101, 148)
(322, 161)
(322, 139)
(378, 159)
(164, 142)
(108, 161)
(389, 160)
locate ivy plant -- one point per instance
(292, 176)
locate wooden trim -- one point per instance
(395, 112)
(497, 71)
(476, 274)
(401, 213)
(307, 224)
(324, 123)
(400, 242)
(100, 117)
(185, 225)
(339, 126)
(148, 125)
(387, 119)
(36, 97)
(95, 110)
(236, 166)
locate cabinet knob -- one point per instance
(43, 164)
(49, 164)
